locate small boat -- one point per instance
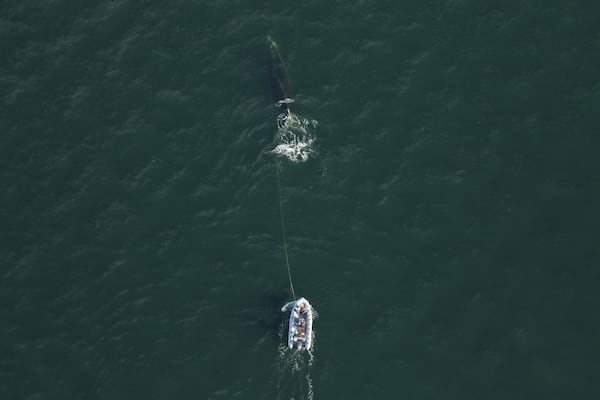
(301, 320)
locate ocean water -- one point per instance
(441, 202)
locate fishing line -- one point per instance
(287, 261)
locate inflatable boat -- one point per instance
(301, 320)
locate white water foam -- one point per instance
(294, 138)
(293, 376)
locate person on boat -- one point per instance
(302, 309)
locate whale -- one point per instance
(280, 82)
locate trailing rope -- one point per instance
(287, 261)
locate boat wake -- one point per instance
(294, 366)
(294, 138)
(294, 381)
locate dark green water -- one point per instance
(446, 228)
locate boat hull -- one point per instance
(300, 328)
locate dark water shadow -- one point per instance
(267, 315)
